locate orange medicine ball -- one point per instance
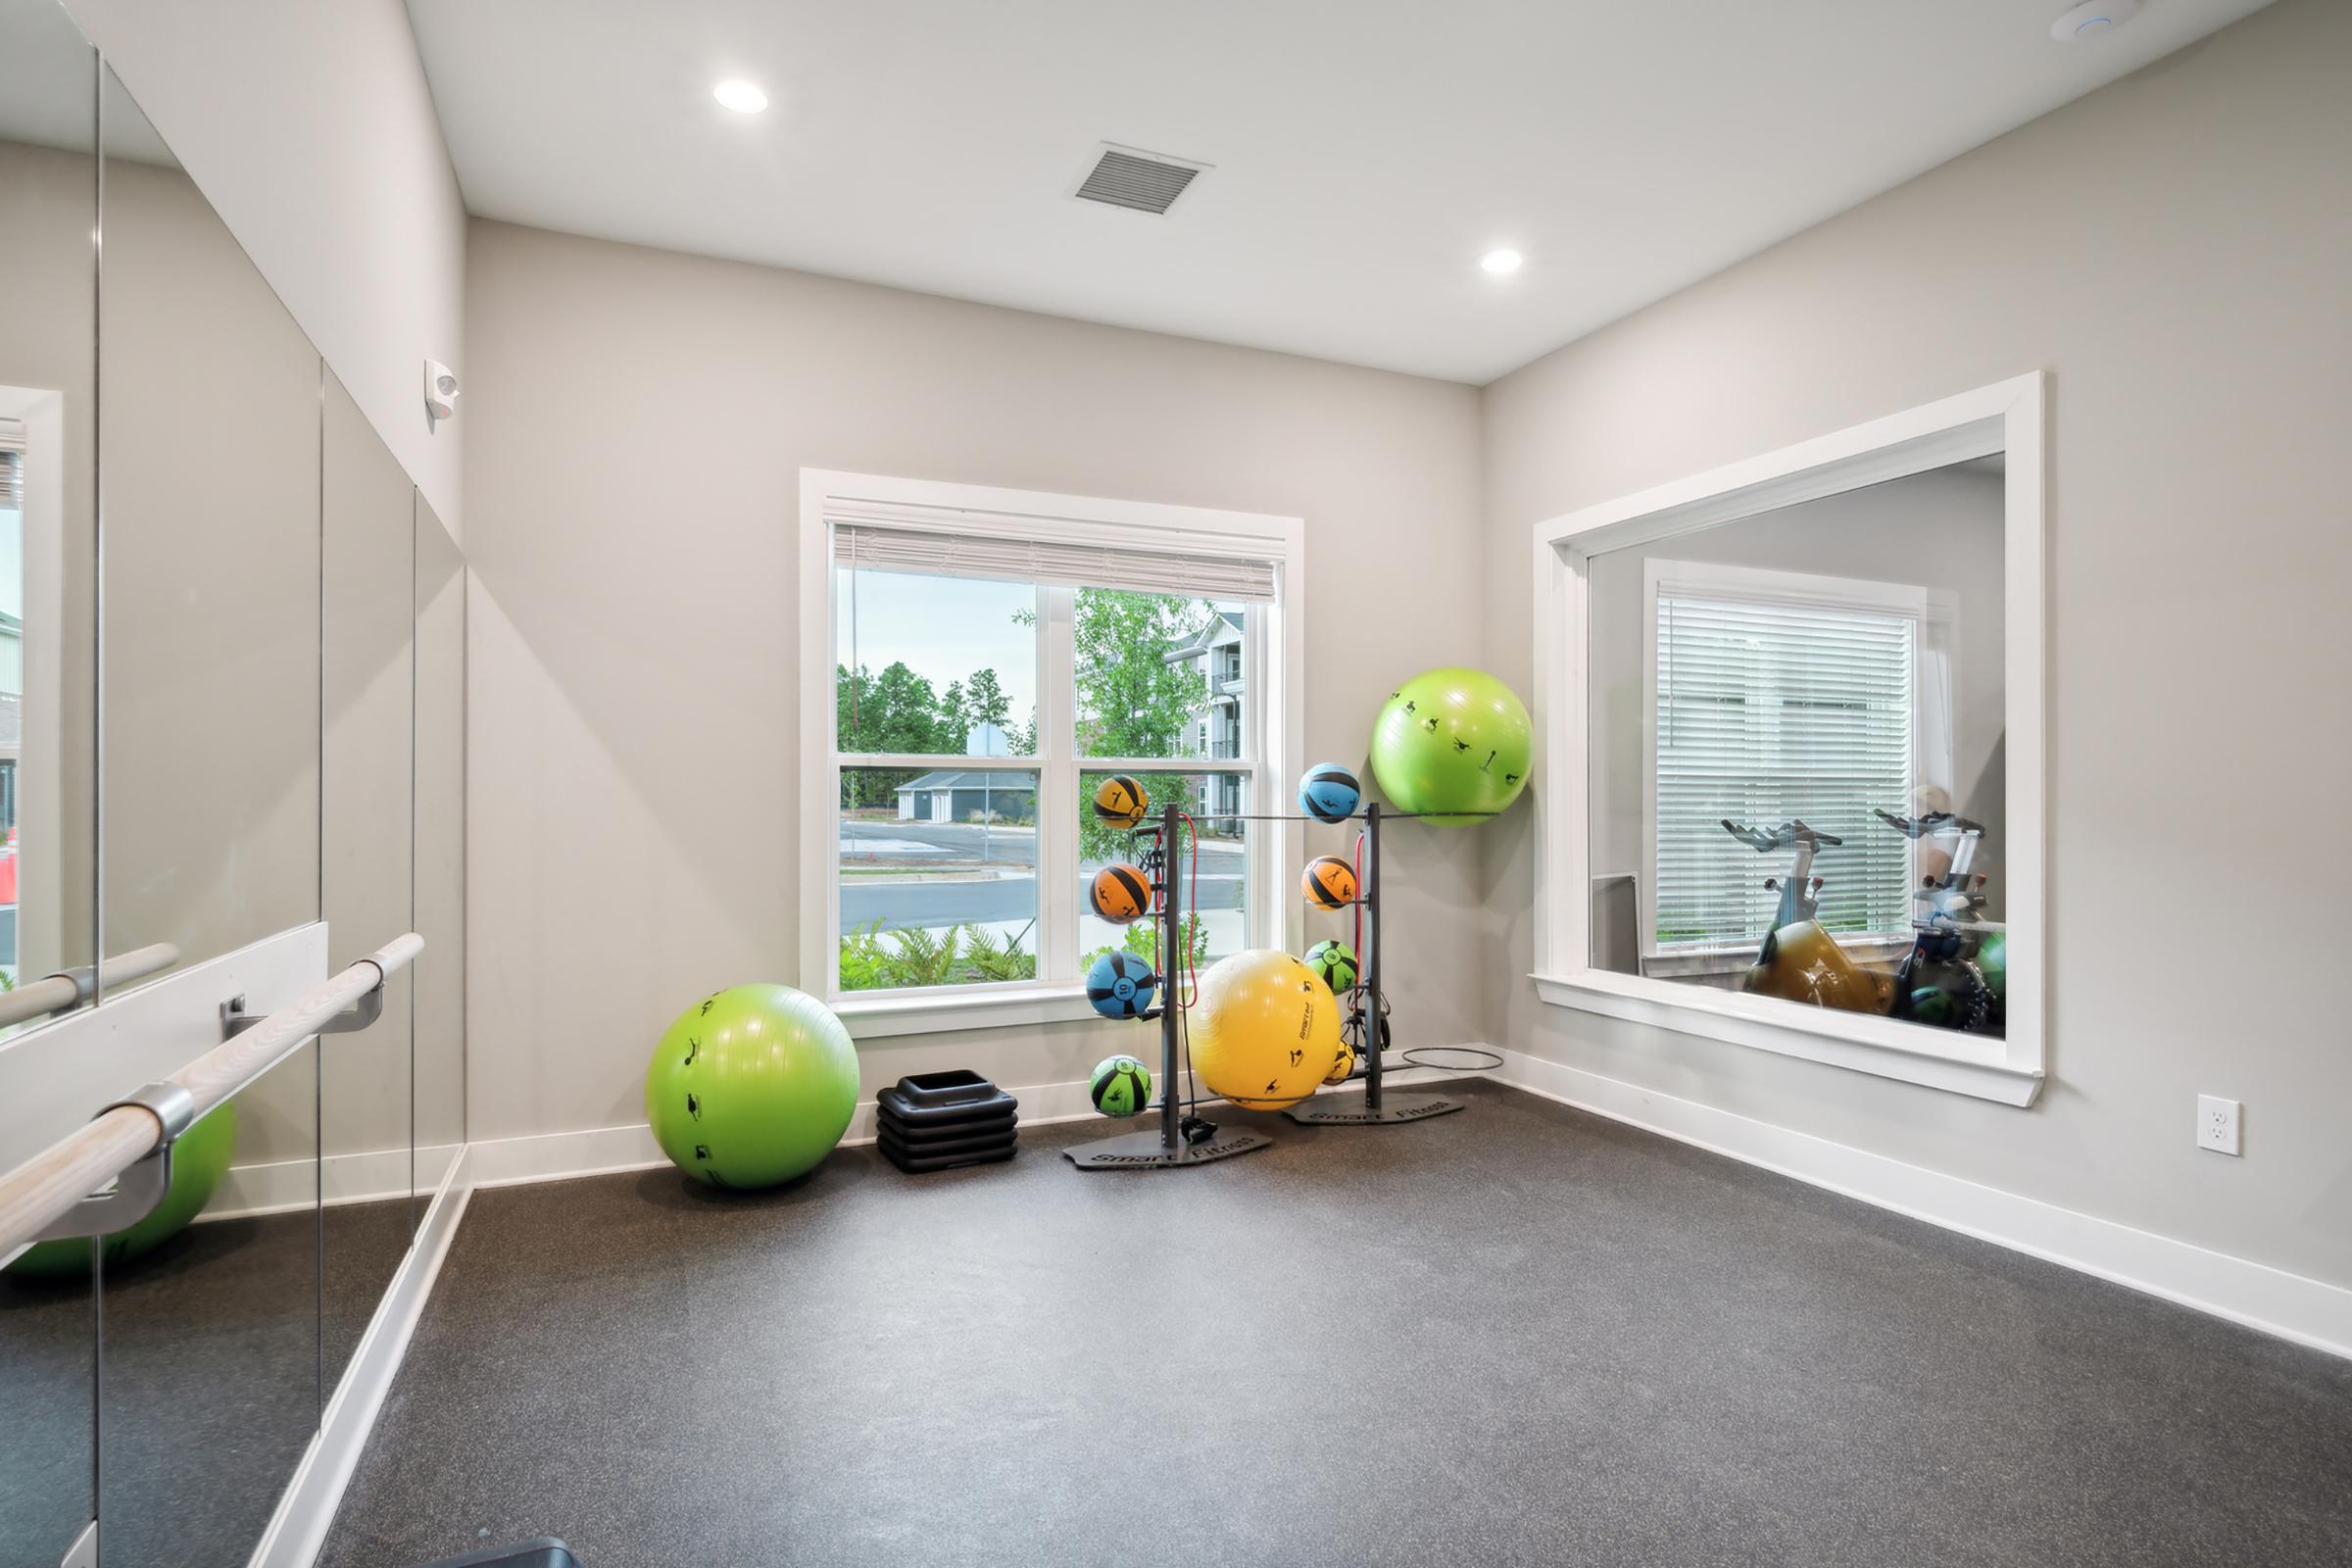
(1329, 883)
(1120, 893)
(1120, 802)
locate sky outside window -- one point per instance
(944, 629)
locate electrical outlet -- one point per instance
(2217, 1124)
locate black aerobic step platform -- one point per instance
(939, 1120)
(545, 1552)
(919, 1165)
(936, 1099)
(955, 1141)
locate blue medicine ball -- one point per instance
(1329, 793)
(1121, 984)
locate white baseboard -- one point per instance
(306, 1511)
(609, 1151)
(2291, 1307)
(285, 1186)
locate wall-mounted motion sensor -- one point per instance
(440, 392)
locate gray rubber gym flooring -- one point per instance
(1515, 1336)
(219, 1345)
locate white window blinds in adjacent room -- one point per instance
(12, 465)
(1771, 712)
(869, 546)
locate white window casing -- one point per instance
(871, 522)
(2005, 417)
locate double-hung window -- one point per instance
(981, 662)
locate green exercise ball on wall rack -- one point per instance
(1454, 746)
(198, 1162)
(751, 1086)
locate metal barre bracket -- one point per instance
(133, 1195)
(84, 981)
(235, 1019)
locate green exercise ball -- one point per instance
(1453, 740)
(751, 1087)
(198, 1162)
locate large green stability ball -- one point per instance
(1453, 740)
(751, 1087)
(198, 1162)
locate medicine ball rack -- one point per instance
(1169, 1147)
(1379, 1109)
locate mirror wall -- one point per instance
(1797, 781)
(368, 815)
(231, 706)
(438, 1061)
(48, 648)
(208, 800)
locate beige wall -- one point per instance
(638, 423)
(310, 127)
(2173, 250)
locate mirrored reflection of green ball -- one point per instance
(199, 1160)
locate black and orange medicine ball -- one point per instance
(1120, 802)
(1329, 883)
(1120, 893)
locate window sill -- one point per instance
(881, 1018)
(1962, 1065)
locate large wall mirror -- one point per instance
(440, 970)
(367, 844)
(209, 466)
(232, 642)
(48, 497)
(1794, 696)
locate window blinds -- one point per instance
(1767, 713)
(870, 547)
(12, 465)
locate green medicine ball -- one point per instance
(198, 1162)
(1334, 962)
(1121, 1086)
(1453, 740)
(751, 1087)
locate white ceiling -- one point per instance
(1366, 151)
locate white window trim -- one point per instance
(2004, 417)
(1057, 995)
(1937, 613)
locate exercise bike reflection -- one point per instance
(1800, 961)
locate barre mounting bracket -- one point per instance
(132, 1196)
(235, 1019)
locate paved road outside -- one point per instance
(958, 873)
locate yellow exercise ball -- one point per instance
(1264, 1030)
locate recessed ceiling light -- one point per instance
(1500, 263)
(743, 97)
(2093, 18)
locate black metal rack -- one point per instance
(1379, 1109)
(1167, 1148)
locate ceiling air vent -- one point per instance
(1130, 177)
